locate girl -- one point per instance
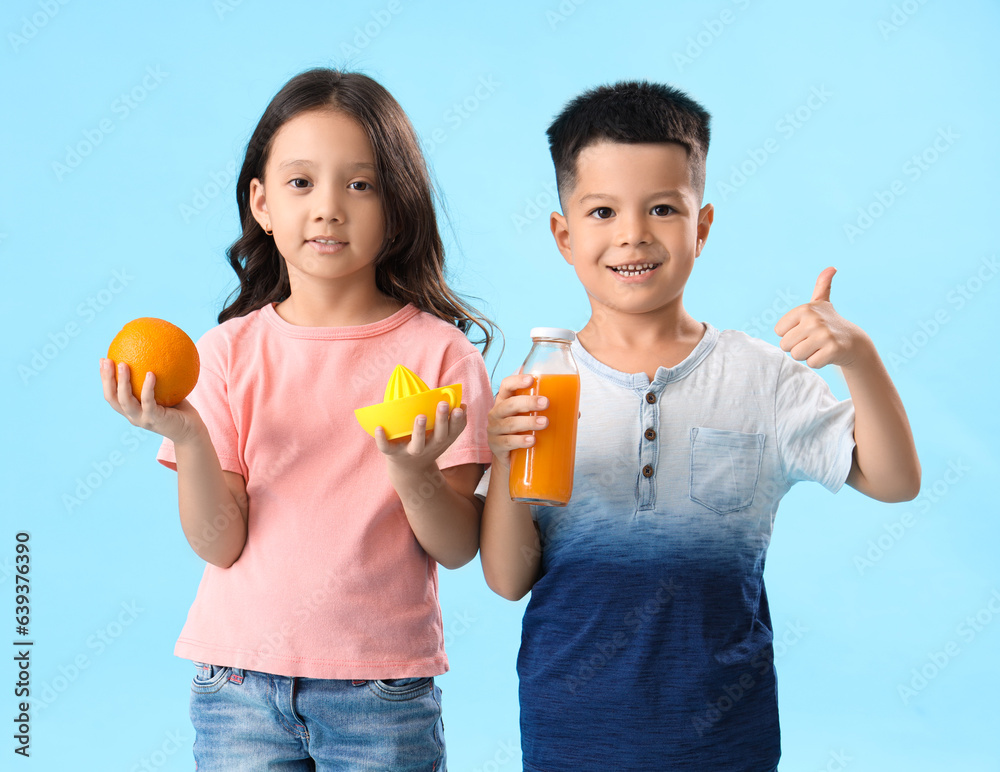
(316, 631)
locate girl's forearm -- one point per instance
(213, 514)
(886, 466)
(510, 549)
(445, 522)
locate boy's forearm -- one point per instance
(214, 522)
(445, 522)
(510, 550)
(885, 466)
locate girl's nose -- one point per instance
(327, 204)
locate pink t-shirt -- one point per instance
(332, 583)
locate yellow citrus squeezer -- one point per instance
(406, 397)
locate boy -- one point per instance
(647, 642)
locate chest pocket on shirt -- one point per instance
(725, 466)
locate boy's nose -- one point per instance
(632, 231)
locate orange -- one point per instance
(153, 345)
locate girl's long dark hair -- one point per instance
(410, 264)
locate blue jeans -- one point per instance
(247, 721)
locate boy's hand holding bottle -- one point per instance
(509, 425)
(540, 469)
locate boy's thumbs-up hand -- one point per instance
(816, 334)
(822, 288)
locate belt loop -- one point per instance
(236, 675)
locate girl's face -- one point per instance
(318, 196)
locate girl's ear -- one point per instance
(560, 232)
(258, 204)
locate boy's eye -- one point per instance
(603, 212)
(294, 183)
(360, 185)
(662, 210)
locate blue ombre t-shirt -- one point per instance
(646, 643)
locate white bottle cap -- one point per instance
(556, 333)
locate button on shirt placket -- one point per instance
(649, 419)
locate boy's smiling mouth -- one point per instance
(634, 269)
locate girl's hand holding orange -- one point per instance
(177, 423)
(156, 404)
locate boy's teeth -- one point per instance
(633, 270)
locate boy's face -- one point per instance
(632, 226)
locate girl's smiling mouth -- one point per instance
(327, 246)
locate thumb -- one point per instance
(822, 290)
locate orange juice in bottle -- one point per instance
(543, 473)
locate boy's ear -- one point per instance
(258, 204)
(705, 218)
(560, 232)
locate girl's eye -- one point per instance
(294, 183)
(360, 185)
(662, 210)
(603, 212)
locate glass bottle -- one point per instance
(543, 473)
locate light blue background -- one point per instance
(154, 202)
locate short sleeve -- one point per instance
(484, 484)
(211, 399)
(471, 447)
(815, 431)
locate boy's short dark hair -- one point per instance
(629, 112)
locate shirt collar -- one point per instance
(664, 375)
